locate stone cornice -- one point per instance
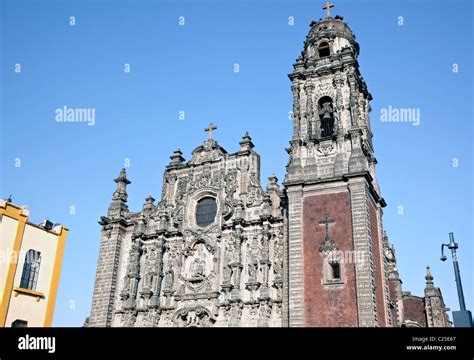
(345, 178)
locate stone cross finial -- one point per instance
(327, 7)
(209, 129)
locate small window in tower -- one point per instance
(206, 211)
(335, 271)
(323, 49)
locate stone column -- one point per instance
(364, 268)
(294, 255)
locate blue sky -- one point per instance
(190, 68)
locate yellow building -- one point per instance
(30, 264)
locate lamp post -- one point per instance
(463, 317)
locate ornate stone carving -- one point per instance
(326, 148)
(169, 280)
(324, 89)
(128, 318)
(231, 186)
(210, 151)
(193, 317)
(278, 256)
(254, 191)
(181, 192)
(206, 179)
(192, 276)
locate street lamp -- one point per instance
(463, 317)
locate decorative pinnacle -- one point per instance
(273, 178)
(429, 277)
(272, 183)
(246, 143)
(120, 194)
(177, 157)
(150, 199)
(122, 178)
(148, 203)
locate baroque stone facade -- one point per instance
(170, 271)
(220, 250)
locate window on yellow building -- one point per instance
(29, 276)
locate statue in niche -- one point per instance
(148, 280)
(227, 273)
(252, 269)
(233, 250)
(169, 280)
(326, 116)
(182, 285)
(198, 266)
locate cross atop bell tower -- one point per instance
(326, 7)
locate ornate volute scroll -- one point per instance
(197, 316)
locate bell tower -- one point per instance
(337, 271)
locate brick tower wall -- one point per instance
(328, 304)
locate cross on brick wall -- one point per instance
(327, 221)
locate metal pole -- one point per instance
(453, 246)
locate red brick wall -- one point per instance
(328, 305)
(379, 285)
(414, 309)
(393, 297)
(393, 290)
